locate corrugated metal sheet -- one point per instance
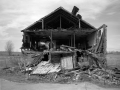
(46, 67)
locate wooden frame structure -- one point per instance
(61, 27)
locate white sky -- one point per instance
(16, 15)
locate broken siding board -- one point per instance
(66, 62)
(74, 60)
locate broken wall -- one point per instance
(92, 39)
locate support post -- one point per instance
(105, 39)
(74, 38)
(51, 39)
(42, 24)
(79, 24)
(71, 41)
(60, 23)
(50, 46)
(74, 60)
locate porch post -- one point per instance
(42, 24)
(79, 24)
(74, 38)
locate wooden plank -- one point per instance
(79, 24)
(67, 62)
(60, 23)
(105, 39)
(74, 39)
(64, 30)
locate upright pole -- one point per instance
(74, 38)
(79, 23)
(60, 23)
(105, 38)
(50, 46)
(105, 44)
(71, 40)
(42, 24)
(51, 39)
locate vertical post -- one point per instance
(71, 40)
(105, 38)
(51, 39)
(60, 23)
(79, 24)
(28, 41)
(74, 38)
(42, 24)
(74, 60)
(50, 46)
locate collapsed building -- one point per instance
(65, 40)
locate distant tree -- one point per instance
(9, 47)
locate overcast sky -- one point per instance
(16, 15)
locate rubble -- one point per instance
(104, 76)
(94, 71)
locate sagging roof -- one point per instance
(59, 18)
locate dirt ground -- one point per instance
(8, 85)
(113, 60)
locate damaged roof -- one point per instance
(60, 15)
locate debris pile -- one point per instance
(54, 72)
(104, 76)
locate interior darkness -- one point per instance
(52, 21)
(46, 57)
(60, 20)
(80, 42)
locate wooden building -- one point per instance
(62, 28)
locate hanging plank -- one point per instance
(67, 63)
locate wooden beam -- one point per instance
(51, 39)
(81, 30)
(74, 38)
(42, 24)
(102, 41)
(79, 24)
(71, 41)
(60, 23)
(50, 51)
(105, 39)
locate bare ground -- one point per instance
(8, 85)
